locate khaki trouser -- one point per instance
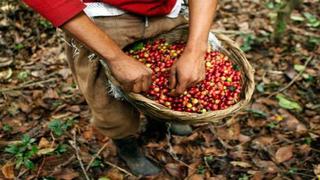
(115, 119)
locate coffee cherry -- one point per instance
(220, 89)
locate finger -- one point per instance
(181, 86)
(145, 83)
(173, 78)
(137, 87)
(127, 86)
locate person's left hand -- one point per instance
(187, 71)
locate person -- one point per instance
(105, 27)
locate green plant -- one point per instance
(7, 128)
(18, 46)
(248, 41)
(24, 151)
(243, 177)
(61, 148)
(23, 75)
(201, 169)
(58, 127)
(97, 163)
(272, 125)
(312, 21)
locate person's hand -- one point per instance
(132, 75)
(187, 71)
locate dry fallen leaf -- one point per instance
(241, 164)
(174, 169)
(284, 154)
(196, 177)
(316, 170)
(44, 143)
(114, 174)
(68, 174)
(267, 166)
(8, 170)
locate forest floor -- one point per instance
(44, 119)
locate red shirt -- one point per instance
(60, 11)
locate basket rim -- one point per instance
(248, 75)
(151, 107)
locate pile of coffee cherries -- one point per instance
(220, 89)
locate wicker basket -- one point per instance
(158, 111)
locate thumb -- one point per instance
(173, 78)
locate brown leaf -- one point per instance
(196, 177)
(316, 170)
(262, 142)
(44, 143)
(74, 108)
(292, 123)
(284, 154)
(257, 176)
(304, 149)
(229, 133)
(67, 174)
(174, 169)
(192, 168)
(25, 107)
(241, 164)
(51, 94)
(114, 174)
(214, 151)
(8, 170)
(267, 166)
(88, 134)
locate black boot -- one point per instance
(130, 152)
(180, 129)
(160, 126)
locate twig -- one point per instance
(294, 79)
(22, 173)
(63, 164)
(119, 168)
(74, 145)
(27, 85)
(96, 155)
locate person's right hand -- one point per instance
(132, 75)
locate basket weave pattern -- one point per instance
(158, 111)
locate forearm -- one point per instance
(84, 30)
(201, 17)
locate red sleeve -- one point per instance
(57, 12)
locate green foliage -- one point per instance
(137, 46)
(61, 148)
(257, 113)
(248, 41)
(293, 170)
(23, 151)
(299, 67)
(104, 178)
(313, 21)
(45, 24)
(7, 128)
(58, 127)
(201, 169)
(308, 140)
(244, 177)
(272, 125)
(97, 163)
(260, 87)
(23, 75)
(18, 46)
(288, 104)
